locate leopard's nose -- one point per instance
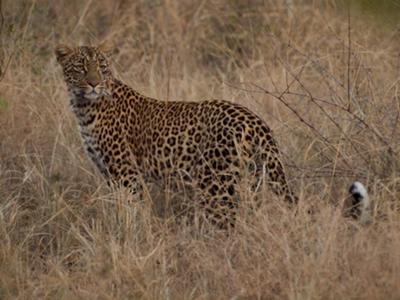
(93, 77)
(92, 82)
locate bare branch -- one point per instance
(348, 55)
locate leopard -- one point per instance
(134, 139)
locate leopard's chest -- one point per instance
(93, 147)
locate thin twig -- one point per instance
(348, 54)
(1, 17)
(284, 102)
(4, 68)
(311, 97)
(28, 19)
(83, 14)
(353, 115)
(3, 73)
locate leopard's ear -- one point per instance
(62, 52)
(106, 47)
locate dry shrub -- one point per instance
(329, 91)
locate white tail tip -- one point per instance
(361, 207)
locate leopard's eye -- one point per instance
(104, 68)
(79, 69)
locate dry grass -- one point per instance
(334, 109)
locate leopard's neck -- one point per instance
(87, 110)
(90, 114)
(84, 110)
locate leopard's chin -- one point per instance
(92, 95)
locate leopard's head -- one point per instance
(86, 69)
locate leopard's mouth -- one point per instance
(90, 93)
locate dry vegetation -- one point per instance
(330, 92)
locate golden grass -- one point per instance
(334, 110)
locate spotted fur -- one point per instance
(209, 144)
